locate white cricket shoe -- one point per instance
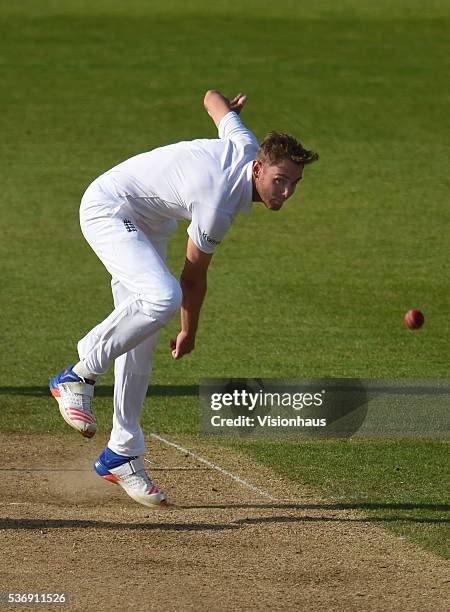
(130, 474)
(74, 396)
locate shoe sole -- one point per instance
(86, 433)
(156, 506)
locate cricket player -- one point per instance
(127, 215)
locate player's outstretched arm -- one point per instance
(193, 285)
(218, 105)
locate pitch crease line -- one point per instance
(214, 466)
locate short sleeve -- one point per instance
(208, 227)
(232, 128)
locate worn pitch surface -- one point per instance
(220, 546)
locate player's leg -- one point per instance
(120, 461)
(155, 295)
(132, 372)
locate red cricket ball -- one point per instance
(414, 319)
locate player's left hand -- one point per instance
(182, 345)
(238, 103)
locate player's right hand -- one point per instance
(238, 103)
(182, 345)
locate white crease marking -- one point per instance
(214, 466)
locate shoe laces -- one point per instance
(82, 400)
(141, 480)
(86, 404)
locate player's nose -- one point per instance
(287, 192)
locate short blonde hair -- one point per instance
(278, 146)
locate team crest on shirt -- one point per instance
(209, 239)
(129, 226)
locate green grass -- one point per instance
(317, 290)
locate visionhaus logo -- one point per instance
(268, 421)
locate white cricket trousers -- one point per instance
(146, 296)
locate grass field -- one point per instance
(319, 290)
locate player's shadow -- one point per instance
(108, 391)
(23, 524)
(337, 519)
(42, 524)
(322, 506)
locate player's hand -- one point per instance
(238, 103)
(182, 345)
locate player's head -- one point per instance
(278, 168)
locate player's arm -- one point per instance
(217, 105)
(193, 285)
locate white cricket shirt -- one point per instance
(207, 181)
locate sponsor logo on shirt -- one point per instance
(209, 239)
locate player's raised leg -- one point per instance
(154, 296)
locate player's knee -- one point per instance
(168, 301)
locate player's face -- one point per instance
(274, 184)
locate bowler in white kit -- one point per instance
(127, 215)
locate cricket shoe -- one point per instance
(74, 396)
(130, 474)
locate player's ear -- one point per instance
(257, 168)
